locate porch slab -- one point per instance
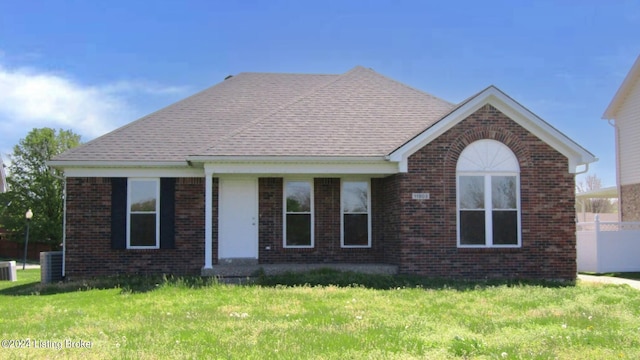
(250, 270)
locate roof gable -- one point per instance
(576, 154)
(632, 79)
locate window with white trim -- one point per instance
(143, 214)
(298, 214)
(488, 196)
(356, 216)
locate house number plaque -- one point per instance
(420, 196)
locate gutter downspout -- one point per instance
(612, 122)
(64, 220)
(586, 169)
(584, 215)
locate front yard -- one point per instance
(192, 318)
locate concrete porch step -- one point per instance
(250, 270)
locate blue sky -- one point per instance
(92, 66)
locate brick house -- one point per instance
(334, 169)
(624, 114)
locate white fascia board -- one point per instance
(227, 165)
(63, 164)
(627, 84)
(132, 172)
(282, 159)
(576, 154)
(126, 168)
(380, 167)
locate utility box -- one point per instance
(50, 267)
(8, 271)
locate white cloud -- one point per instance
(31, 98)
(137, 86)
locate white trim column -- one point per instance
(208, 221)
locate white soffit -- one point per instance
(317, 167)
(230, 166)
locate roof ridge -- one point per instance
(283, 73)
(404, 85)
(301, 97)
(250, 124)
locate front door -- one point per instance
(238, 219)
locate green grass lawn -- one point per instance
(200, 319)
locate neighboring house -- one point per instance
(583, 199)
(350, 168)
(624, 113)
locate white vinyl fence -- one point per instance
(604, 246)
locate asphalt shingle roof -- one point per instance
(358, 113)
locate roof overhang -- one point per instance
(199, 166)
(72, 168)
(318, 165)
(604, 193)
(577, 155)
(627, 85)
(66, 164)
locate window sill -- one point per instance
(489, 247)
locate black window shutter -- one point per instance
(119, 213)
(167, 213)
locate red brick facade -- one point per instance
(88, 243)
(427, 230)
(327, 227)
(417, 235)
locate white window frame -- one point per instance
(129, 212)
(342, 213)
(489, 172)
(311, 213)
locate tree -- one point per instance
(33, 185)
(596, 205)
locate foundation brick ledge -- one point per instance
(248, 270)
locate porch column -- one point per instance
(208, 221)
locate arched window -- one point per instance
(488, 196)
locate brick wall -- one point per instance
(327, 227)
(428, 227)
(385, 204)
(418, 235)
(630, 202)
(89, 251)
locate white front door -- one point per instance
(238, 219)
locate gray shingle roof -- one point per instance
(358, 113)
